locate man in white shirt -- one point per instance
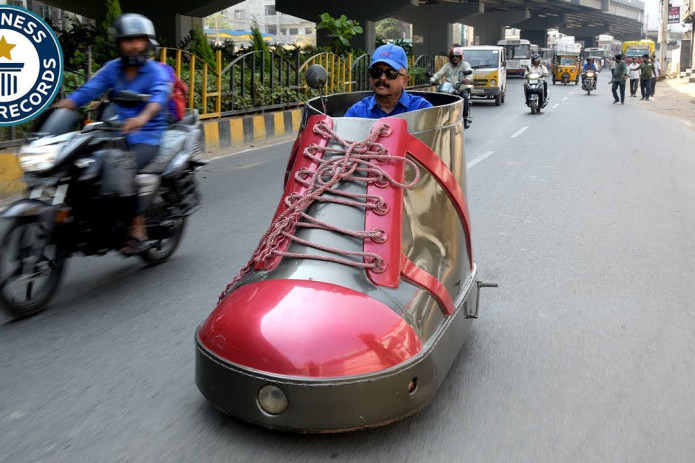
(633, 68)
(657, 73)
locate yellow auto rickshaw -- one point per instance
(567, 68)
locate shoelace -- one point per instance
(359, 163)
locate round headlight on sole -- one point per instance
(493, 82)
(272, 400)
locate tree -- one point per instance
(340, 30)
(104, 48)
(217, 21)
(389, 29)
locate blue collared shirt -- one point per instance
(151, 79)
(368, 108)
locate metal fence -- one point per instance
(260, 81)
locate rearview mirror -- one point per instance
(316, 76)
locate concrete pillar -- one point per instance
(432, 39)
(174, 28)
(537, 37)
(433, 25)
(589, 41)
(489, 27)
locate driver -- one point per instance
(537, 68)
(144, 124)
(451, 71)
(590, 65)
(388, 78)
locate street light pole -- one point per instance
(664, 35)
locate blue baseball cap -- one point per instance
(391, 54)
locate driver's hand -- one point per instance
(66, 103)
(133, 124)
(433, 80)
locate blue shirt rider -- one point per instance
(590, 66)
(144, 124)
(387, 78)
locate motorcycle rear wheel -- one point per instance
(31, 267)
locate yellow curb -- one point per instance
(10, 174)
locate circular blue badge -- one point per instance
(31, 65)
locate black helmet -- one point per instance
(134, 25)
(535, 57)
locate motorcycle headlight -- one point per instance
(39, 158)
(493, 82)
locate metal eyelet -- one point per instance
(379, 265)
(381, 237)
(381, 208)
(381, 182)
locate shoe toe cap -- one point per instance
(307, 328)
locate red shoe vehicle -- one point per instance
(360, 295)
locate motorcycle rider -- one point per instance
(590, 65)
(144, 124)
(537, 68)
(451, 71)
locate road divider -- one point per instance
(11, 175)
(224, 133)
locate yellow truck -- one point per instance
(637, 48)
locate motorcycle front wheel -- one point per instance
(534, 106)
(31, 267)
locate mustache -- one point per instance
(382, 83)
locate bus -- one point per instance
(518, 55)
(547, 55)
(637, 48)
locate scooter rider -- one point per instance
(537, 68)
(590, 65)
(451, 71)
(143, 125)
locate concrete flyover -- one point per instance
(431, 19)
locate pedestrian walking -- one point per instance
(657, 74)
(619, 75)
(633, 68)
(645, 77)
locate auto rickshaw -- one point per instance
(567, 68)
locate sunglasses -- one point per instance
(391, 74)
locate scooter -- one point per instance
(359, 296)
(81, 190)
(534, 92)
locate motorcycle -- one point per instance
(534, 92)
(462, 87)
(589, 81)
(81, 189)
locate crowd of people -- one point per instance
(642, 72)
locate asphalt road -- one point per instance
(582, 214)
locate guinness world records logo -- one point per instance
(31, 65)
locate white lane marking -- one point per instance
(556, 105)
(475, 161)
(564, 98)
(519, 132)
